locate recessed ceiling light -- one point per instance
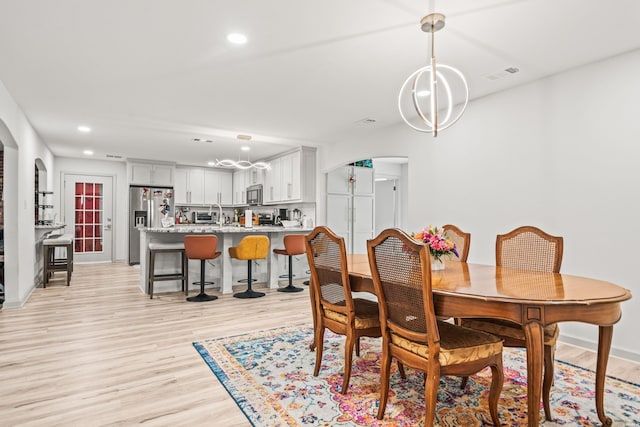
(245, 148)
(85, 129)
(88, 152)
(237, 38)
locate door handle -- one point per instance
(107, 227)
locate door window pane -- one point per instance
(88, 217)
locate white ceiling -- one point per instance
(148, 76)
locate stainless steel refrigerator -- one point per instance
(148, 207)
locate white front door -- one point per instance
(88, 211)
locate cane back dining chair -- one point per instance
(335, 309)
(526, 248)
(401, 272)
(461, 239)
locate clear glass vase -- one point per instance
(437, 264)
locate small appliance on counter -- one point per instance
(265, 219)
(202, 218)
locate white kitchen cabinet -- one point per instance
(188, 186)
(181, 187)
(254, 177)
(225, 186)
(240, 187)
(291, 178)
(153, 175)
(218, 187)
(272, 183)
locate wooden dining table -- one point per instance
(530, 298)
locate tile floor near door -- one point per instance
(101, 353)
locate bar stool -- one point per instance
(250, 248)
(293, 245)
(163, 248)
(202, 247)
(51, 263)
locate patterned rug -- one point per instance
(270, 376)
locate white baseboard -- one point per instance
(591, 345)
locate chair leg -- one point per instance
(290, 287)
(348, 358)
(319, 340)
(385, 369)
(403, 375)
(549, 354)
(249, 293)
(358, 346)
(463, 383)
(185, 274)
(432, 382)
(152, 258)
(497, 379)
(69, 250)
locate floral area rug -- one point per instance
(269, 374)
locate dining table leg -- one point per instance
(534, 334)
(605, 335)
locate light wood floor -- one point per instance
(101, 353)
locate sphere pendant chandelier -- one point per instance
(425, 87)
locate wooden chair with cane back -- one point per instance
(334, 307)
(411, 333)
(526, 248)
(461, 239)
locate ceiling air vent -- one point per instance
(502, 73)
(202, 140)
(367, 121)
(113, 156)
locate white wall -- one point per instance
(121, 194)
(22, 147)
(560, 153)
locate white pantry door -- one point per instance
(88, 211)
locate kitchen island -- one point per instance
(228, 236)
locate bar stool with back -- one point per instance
(294, 244)
(201, 247)
(250, 248)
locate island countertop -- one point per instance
(200, 228)
(228, 235)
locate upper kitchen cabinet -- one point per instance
(200, 186)
(151, 174)
(271, 192)
(218, 187)
(188, 188)
(254, 177)
(240, 187)
(291, 177)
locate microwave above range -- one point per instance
(254, 195)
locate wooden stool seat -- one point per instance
(51, 263)
(157, 248)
